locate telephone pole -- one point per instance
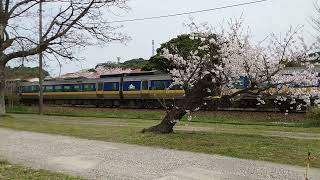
(153, 49)
(40, 62)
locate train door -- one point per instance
(145, 89)
(100, 90)
(121, 89)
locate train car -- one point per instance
(151, 89)
(134, 90)
(274, 99)
(60, 92)
(109, 90)
(28, 92)
(11, 92)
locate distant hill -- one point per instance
(95, 73)
(130, 64)
(23, 72)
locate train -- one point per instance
(130, 90)
(150, 89)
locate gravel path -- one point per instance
(103, 160)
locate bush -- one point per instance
(313, 115)
(17, 109)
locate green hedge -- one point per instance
(313, 115)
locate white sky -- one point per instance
(263, 18)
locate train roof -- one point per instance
(143, 73)
(82, 79)
(67, 79)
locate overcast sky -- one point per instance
(263, 18)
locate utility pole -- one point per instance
(153, 49)
(40, 62)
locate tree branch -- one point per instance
(6, 7)
(16, 6)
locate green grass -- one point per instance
(242, 141)
(9, 171)
(280, 150)
(209, 117)
(91, 112)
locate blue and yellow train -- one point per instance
(140, 90)
(134, 90)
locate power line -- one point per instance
(187, 13)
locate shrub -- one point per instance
(17, 109)
(313, 116)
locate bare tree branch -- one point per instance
(19, 4)
(23, 11)
(6, 9)
(62, 29)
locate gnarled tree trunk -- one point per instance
(2, 90)
(194, 98)
(168, 122)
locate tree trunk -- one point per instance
(194, 99)
(2, 90)
(168, 122)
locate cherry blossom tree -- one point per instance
(67, 26)
(223, 56)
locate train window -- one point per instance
(111, 86)
(237, 85)
(100, 86)
(67, 88)
(132, 86)
(28, 89)
(241, 83)
(160, 84)
(48, 88)
(77, 88)
(246, 81)
(145, 85)
(89, 87)
(58, 88)
(34, 88)
(25, 89)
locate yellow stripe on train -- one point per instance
(153, 92)
(164, 92)
(107, 93)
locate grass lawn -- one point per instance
(235, 140)
(91, 112)
(210, 117)
(9, 171)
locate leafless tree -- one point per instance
(315, 20)
(67, 26)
